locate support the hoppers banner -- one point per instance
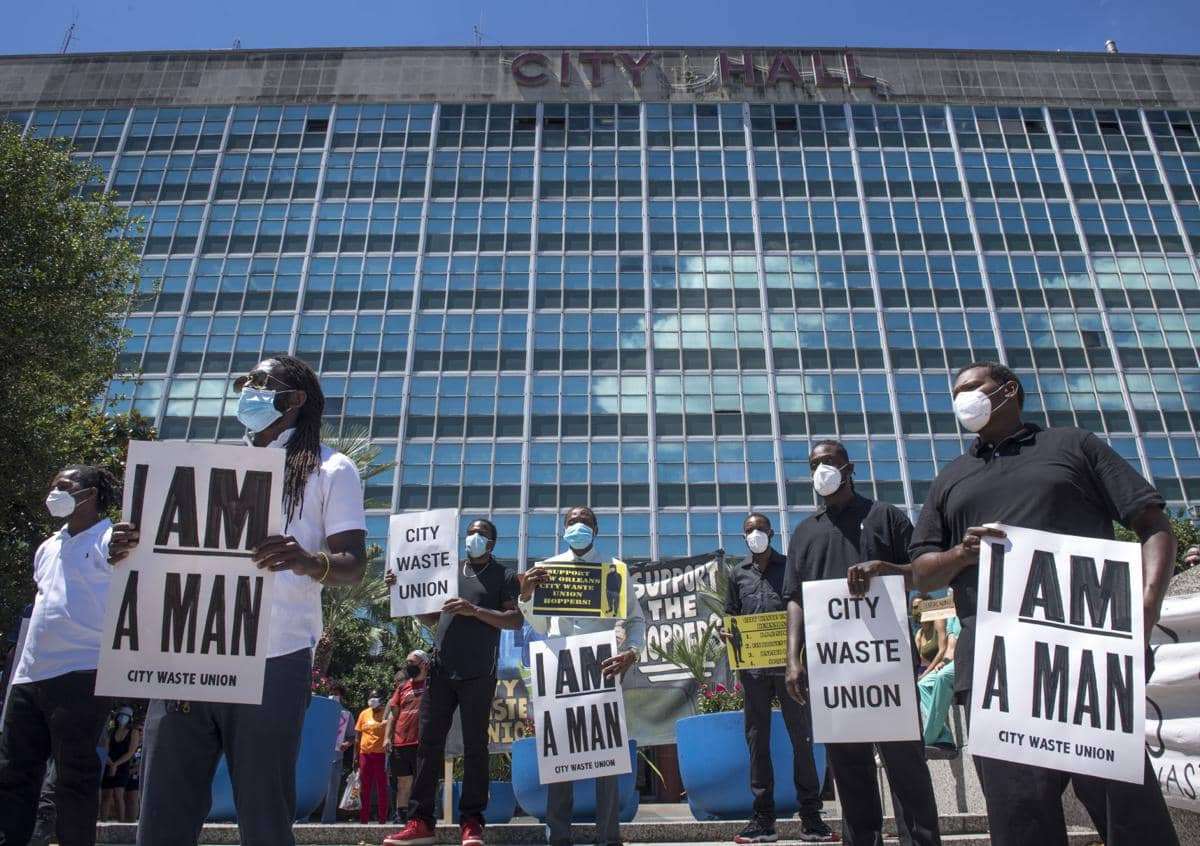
(1173, 702)
(681, 598)
(422, 551)
(859, 658)
(578, 713)
(1059, 678)
(188, 612)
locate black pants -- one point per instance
(261, 743)
(760, 689)
(1025, 806)
(60, 719)
(857, 782)
(473, 699)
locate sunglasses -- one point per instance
(260, 380)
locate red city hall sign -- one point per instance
(801, 69)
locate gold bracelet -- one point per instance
(328, 564)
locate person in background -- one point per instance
(935, 685)
(53, 711)
(122, 742)
(579, 532)
(756, 587)
(370, 754)
(342, 741)
(280, 402)
(133, 787)
(1191, 558)
(403, 726)
(858, 539)
(462, 677)
(1065, 481)
(928, 638)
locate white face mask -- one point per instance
(758, 541)
(60, 503)
(373, 702)
(827, 479)
(974, 408)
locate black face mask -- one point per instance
(412, 670)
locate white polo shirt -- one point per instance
(333, 502)
(72, 574)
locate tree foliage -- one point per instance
(1185, 530)
(65, 284)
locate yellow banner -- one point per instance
(583, 589)
(756, 641)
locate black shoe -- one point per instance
(757, 831)
(941, 752)
(814, 830)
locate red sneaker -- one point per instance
(416, 833)
(472, 833)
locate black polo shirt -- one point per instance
(1066, 481)
(467, 647)
(754, 591)
(831, 541)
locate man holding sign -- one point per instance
(579, 532)
(462, 677)
(852, 539)
(1061, 481)
(756, 587)
(280, 403)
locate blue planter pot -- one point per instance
(715, 765)
(531, 794)
(502, 802)
(312, 765)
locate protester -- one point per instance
(756, 587)
(935, 685)
(403, 726)
(122, 740)
(1191, 558)
(1053, 480)
(280, 403)
(53, 711)
(370, 755)
(342, 741)
(579, 531)
(462, 677)
(856, 538)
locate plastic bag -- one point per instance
(351, 798)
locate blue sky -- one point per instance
(1144, 26)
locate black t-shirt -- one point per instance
(467, 648)
(1066, 481)
(831, 541)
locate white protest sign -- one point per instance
(1173, 702)
(860, 670)
(423, 553)
(1059, 677)
(189, 613)
(579, 715)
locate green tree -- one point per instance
(65, 284)
(1185, 530)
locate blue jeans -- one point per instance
(333, 794)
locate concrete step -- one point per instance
(956, 829)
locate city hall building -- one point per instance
(648, 279)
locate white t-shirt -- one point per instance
(333, 502)
(72, 574)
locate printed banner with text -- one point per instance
(188, 613)
(423, 553)
(860, 667)
(582, 589)
(579, 714)
(757, 641)
(1059, 654)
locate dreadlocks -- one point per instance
(108, 489)
(303, 452)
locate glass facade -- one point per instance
(656, 307)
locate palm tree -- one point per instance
(368, 599)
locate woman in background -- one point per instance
(123, 741)
(372, 770)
